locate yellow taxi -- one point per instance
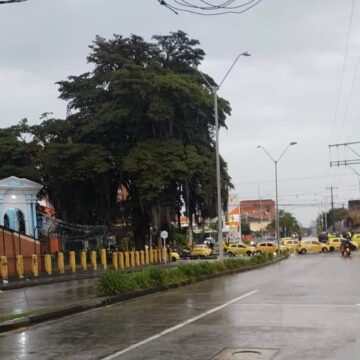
(311, 246)
(355, 239)
(200, 251)
(289, 244)
(266, 248)
(225, 246)
(334, 243)
(240, 249)
(174, 256)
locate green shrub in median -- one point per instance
(119, 282)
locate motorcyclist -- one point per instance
(345, 244)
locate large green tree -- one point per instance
(331, 217)
(288, 224)
(142, 118)
(17, 154)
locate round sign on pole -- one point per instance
(164, 234)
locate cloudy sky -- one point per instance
(296, 86)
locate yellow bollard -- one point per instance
(146, 257)
(93, 260)
(115, 263)
(61, 262)
(20, 266)
(142, 257)
(137, 258)
(121, 260)
(48, 264)
(151, 256)
(83, 260)
(103, 258)
(4, 267)
(127, 262)
(132, 258)
(159, 255)
(72, 261)
(155, 256)
(34, 265)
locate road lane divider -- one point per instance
(178, 326)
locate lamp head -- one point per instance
(293, 143)
(245, 53)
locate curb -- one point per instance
(15, 324)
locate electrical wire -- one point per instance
(2, 2)
(346, 52)
(211, 9)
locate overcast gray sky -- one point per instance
(286, 91)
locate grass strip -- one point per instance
(115, 282)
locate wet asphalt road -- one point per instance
(46, 296)
(52, 295)
(306, 307)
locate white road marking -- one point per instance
(179, 326)
(301, 305)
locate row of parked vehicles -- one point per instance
(306, 245)
(268, 247)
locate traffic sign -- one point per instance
(164, 234)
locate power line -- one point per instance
(210, 7)
(343, 69)
(2, 2)
(290, 179)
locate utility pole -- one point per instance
(331, 188)
(240, 220)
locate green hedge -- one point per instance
(119, 282)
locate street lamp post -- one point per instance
(277, 220)
(214, 89)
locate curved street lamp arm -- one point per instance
(211, 87)
(282, 154)
(267, 153)
(233, 64)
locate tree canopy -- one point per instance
(288, 224)
(141, 119)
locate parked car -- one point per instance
(240, 249)
(174, 256)
(355, 239)
(266, 248)
(334, 243)
(311, 246)
(200, 251)
(289, 244)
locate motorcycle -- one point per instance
(346, 251)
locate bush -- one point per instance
(118, 282)
(115, 282)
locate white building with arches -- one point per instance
(18, 198)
